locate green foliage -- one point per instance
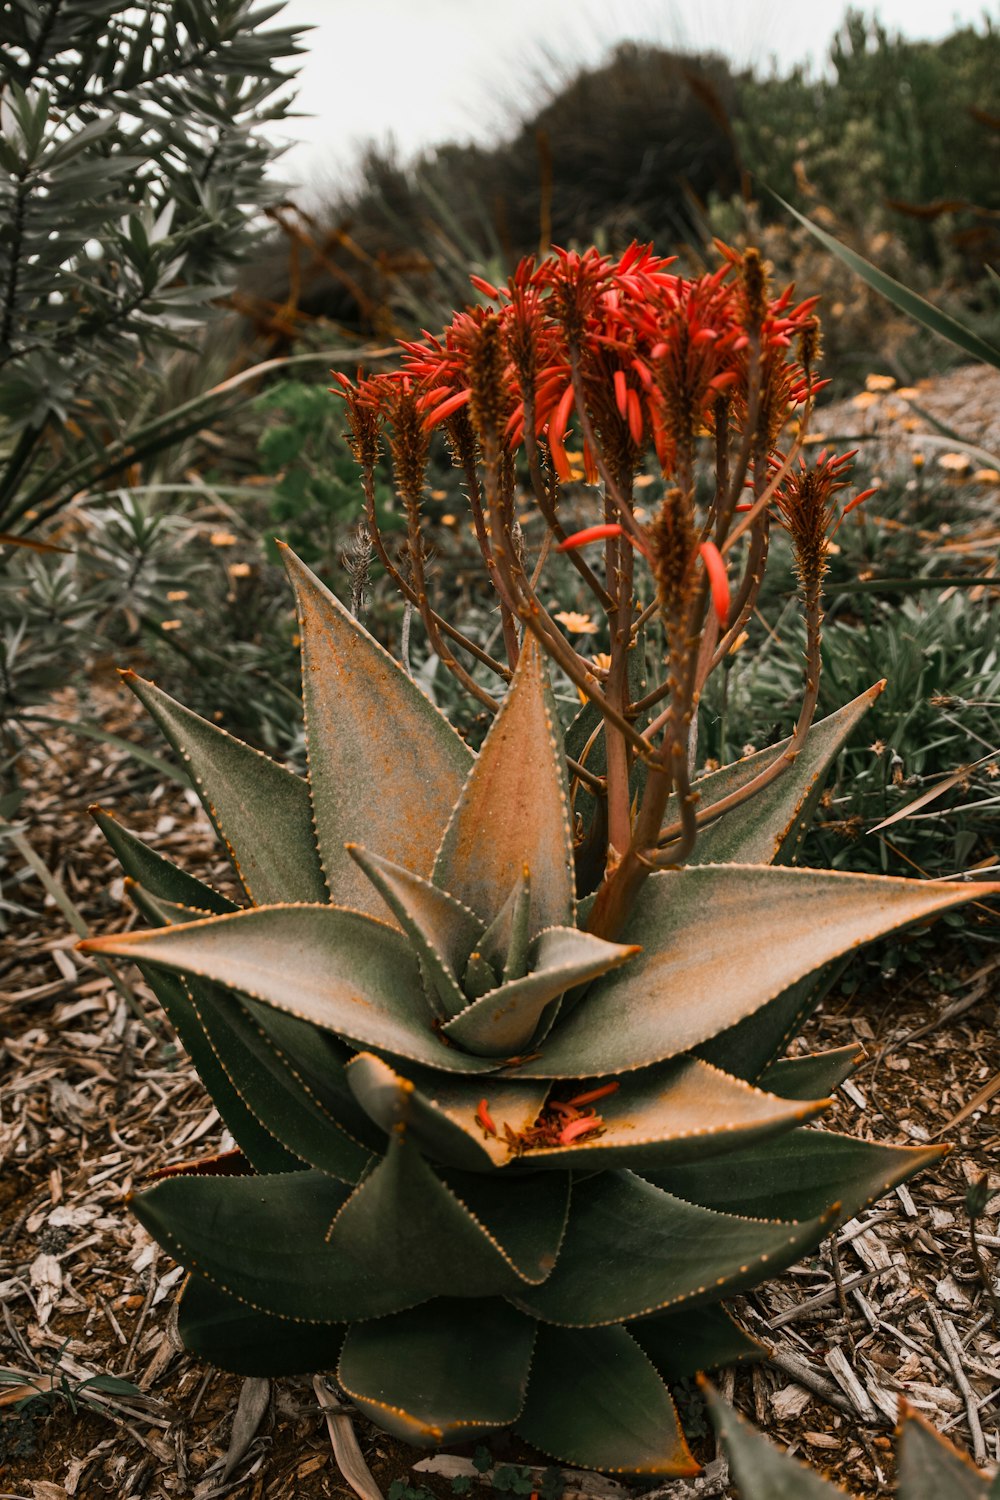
(132, 156)
(315, 499)
(408, 1204)
(894, 122)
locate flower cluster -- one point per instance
(631, 352)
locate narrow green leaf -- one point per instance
(156, 874)
(385, 767)
(514, 809)
(442, 1373)
(762, 1471)
(813, 1076)
(503, 1022)
(340, 970)
(908, 302)
(719, 942)
(595, 1400)
(443, 931)
(750, 1047)
(270, 1086)
(682, 1343)
(258, 1144)
(678, 1253)
(259, 810)
(931, 1469)
(768, 828)
(234, 1337)
(439, 1110)
(801, 1173)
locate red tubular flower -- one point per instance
(718, 581)
(484, 1119)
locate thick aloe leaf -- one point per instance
(408, 1234)
(812, 1076)
(910, 303)
(683, 1110)
(261, 1239)
(682, 1343)
(443, 931)
(385, 767)
(761, 1470)
(504, 1021)
(931, 1469)
(595, 1400)
(319, 1059)
(271, 1087)
(235, 1337)
(678, 1252)
(260, 811)
(340, 970)
(439, 1110)
(258, 1144)
(514, 809)
(445, 1372)
(750, 1047)
(767, 829)
(799, 1175)
(156, 874)
(718, 943)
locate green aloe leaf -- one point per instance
(161, 913)
(503, 1022)
(682, 1343)
(340, 970)
(156, 874)
(594, 1399)
(260, 811)
(799, 1174)
(683, 1110)
(910, 303)
(445, 1372)
(228, 1334)
(719, 942)
(385, 767)
(439, 1110)
(261, 1239)
(812, 1076)
(408, 1234)
(750, 1047)
(767, 829)
(261, 1149)
(761, 1470)
(678, 1252)
(931, 1469)
(443, 931)
(514, 809)
(295, 1113)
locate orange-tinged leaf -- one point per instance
(385, 767)
(514, 809)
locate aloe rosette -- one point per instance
(492, 1169)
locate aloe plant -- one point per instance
(930, 1468)
(500, 1043)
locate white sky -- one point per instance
(425, 71)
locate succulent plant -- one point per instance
(930, 1468)
(499, 1045)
